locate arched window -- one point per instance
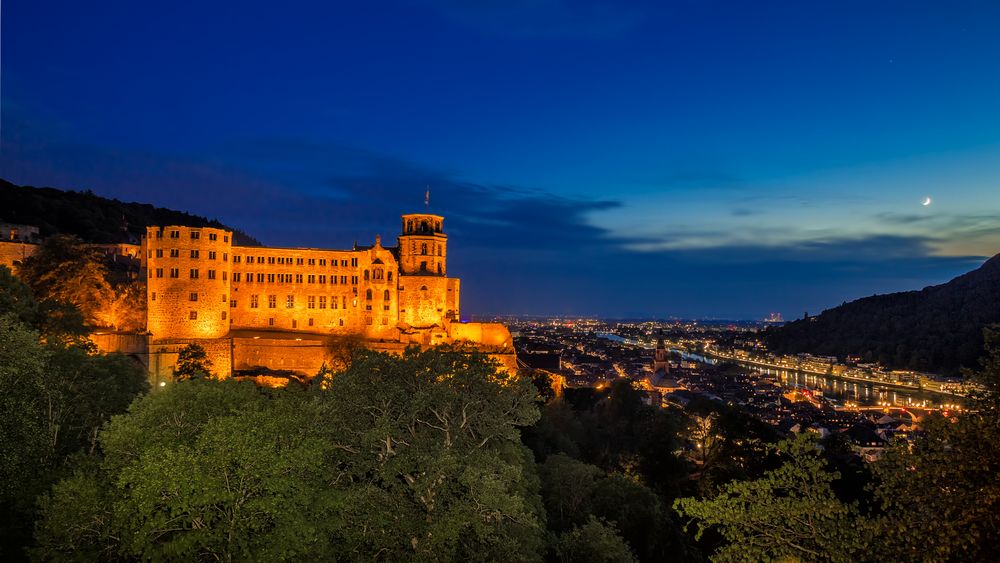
(409, 226)
(368, 295)
(385, 295)
(439, 267)
(366, 275)
(423, 248)
(423, 227)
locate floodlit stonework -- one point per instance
(260, 308)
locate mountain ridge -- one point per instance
(936, 329)
(95, 218)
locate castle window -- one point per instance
(385, 295)
(368, 319)
(225, 257)
(423, 248)
(159, 272)
(311, 278)
(175, 272)
(193, 297)
(368, 295)
(385, 321)
(193, 315)
(272, 301)
(312, 262)
(194, 254)
(270, 321)
(368, 307)
(236, 258)
(281, 260)
(322, 278)
(341, 322)
(223, 315)
(232, 304)
(439, 268)
(175, 253)
(260, 259)
(159, 234)
(298, 261)
(333, 302)
(253, 301)
(225, 275)
(343, 262)
(289, 301)
(225, 238)
(298, 278)
(390, 276)
(224, 298)
(354, 262)
(295, 323)
(385, 307)
(211, 274)
(260, 278)
(175, 234)
(212, 236)
(343, 279)
(409, 226)
(211, 255)
(152, 296)
(270, 259)
(423, 266)
(270, 278)
(194, 273)
(354, 280)
(354, 302)
(322, 261)
(322, 301)
(159, 253)
(377, 274)
(195, 235)
(310, 322)
(311, 302)
(236, 277)
(366, 275)
(439, 251)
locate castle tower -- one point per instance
(188, 289)
(423, 246)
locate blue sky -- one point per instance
(691, 158)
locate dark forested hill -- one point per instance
(937, 329)
(94, 218)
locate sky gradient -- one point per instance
(698, 158)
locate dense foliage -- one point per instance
(91, 217)
(937, 329)
(56, 392)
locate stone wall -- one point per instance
(12, 253)
(187, 289)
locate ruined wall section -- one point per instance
(13, 253)
(187, 290)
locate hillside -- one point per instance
(936, 329)
(94, 218)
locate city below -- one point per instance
(726, 362)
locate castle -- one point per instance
(264, 309)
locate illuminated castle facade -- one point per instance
(257, 308)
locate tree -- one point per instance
(193, 363)
(430, 443)
(205, 469)
(941, 494)
(54, 320)
(789, 513)
(66, 270)
(24, 438)
(596, 541)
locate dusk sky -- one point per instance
(697, 158)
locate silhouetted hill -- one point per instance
(937, 329)
(94, 218)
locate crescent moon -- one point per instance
(927, 201)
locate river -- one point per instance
(841, 391)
